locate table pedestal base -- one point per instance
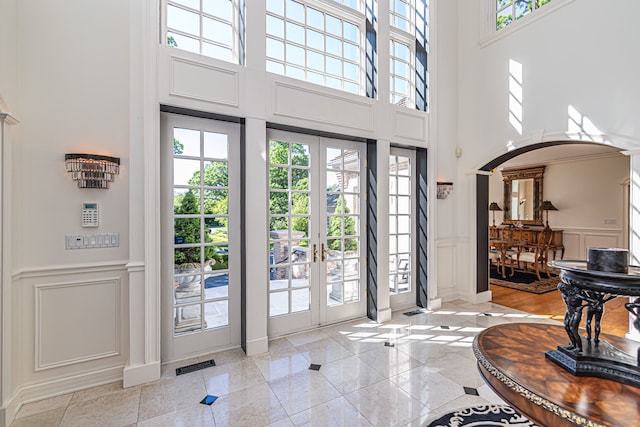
(597, 360)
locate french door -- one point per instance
(316, 231)
(200, 226)
(402, 226)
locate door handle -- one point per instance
(315, 252)
(324, 252)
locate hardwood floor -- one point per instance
(615, 320)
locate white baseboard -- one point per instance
(258, 346)
(141, 374)
(434, 304)
(57, 387)
(480, 297)
(384, 315)
(9, 411)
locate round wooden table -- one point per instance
(511, 359)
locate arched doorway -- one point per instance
(482, 201)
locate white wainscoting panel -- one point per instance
(447, 272)
(204, 82)
(322, 107)
(76, 322)
(411, 125)
(577, 241)
(572, 244)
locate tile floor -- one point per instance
(363, 380)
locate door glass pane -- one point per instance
(300, 300)
(188, 318)
(278, 303)
(289, 218)
(343, 222)
(216, 314)
(201, 242)
(400, 223)
(186, 172)
(216, 285)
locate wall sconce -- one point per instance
(92, 170)
(444, 189)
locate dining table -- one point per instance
(503, 246)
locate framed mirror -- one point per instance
(523, 195)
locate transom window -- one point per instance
(401, 72)
(353, 4)
(207, 27)
(309, 43)
(408, 49)
(401, 14)
(508, 11)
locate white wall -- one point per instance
(65, 75)
(586, 192)
(89, 77)
(579, 56)
(70, 86)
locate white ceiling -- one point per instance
(560, 153)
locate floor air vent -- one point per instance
(195, 367)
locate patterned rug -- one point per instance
(485, 416)
(524, 281)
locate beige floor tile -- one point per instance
(43, 419)
(194, 416)
(350, 374)
(428, 387)
(168, 395)
(389, 361)
(361, 382)
(335, 413)
(303, 390)
(44, 405)
(275, 366)
(386, 404)
(96, 392)
(226, 379)
(323, 351)
(255, 406)
(113, 410)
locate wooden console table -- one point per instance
(530, 234)
(511, 359)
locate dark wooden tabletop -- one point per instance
(511, 358)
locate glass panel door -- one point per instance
(292, 249)
(315, 226)
(342, 249)
(201, 229)
(401, 227)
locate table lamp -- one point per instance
(494, 207)
(546, 207)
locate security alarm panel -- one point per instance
(90, 215)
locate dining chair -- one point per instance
(536, 254)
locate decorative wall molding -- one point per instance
(63, 270)
(322, 107)
(53, 325)
(187, 77)
(577, 240)
(411, 125)
(68, 384)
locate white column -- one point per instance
(256, 238)
(144, 198)
(634, 225)
(383, 150)
(5, 271)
